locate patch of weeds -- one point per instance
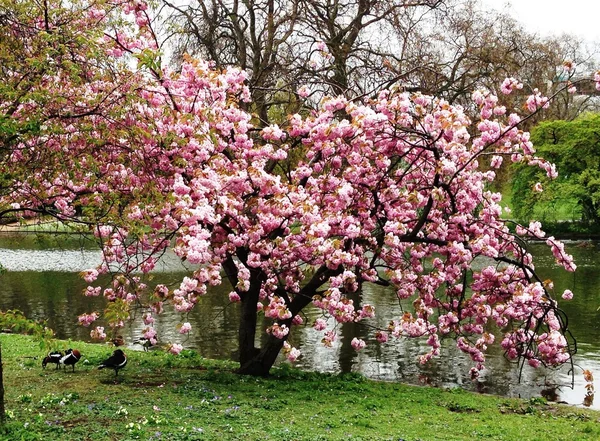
(75, 422)
(190, 354)
(223, 377)
(155, 420)
(318, 438)
(53, 427)
(461, 408)
(362, 421)
(25, 398)
(51, 399)
(19, 431)
(537, 401)
(285, 434)
(134, 430)
(371, 405)
(185, 433)
(232, 412)
(518, 408)
(269, 405)
(577, 416)
(29, 363)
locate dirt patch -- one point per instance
(75, 422)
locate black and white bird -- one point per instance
(145, 343)
(116, 361)
(71, 357)
(52, 357)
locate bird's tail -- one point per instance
(101, 366)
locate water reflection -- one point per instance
(44, 284)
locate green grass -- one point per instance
(162, 397)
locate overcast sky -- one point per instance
(547, 17)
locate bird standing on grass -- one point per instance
(116, 361)
(52, 357)
(71, 357)
(146, 343)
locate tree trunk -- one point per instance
(261, 363)
(258, 362)
(248, 320)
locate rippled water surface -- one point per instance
(42, 280)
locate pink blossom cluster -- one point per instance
(292, 353)
(534, 230)
(87, 319)
(358, 344)
(277, 309)
(279, 331)
(185, 328)
(175, 348)
(509, 85)
(339, 307)
(561, 256)
(536, 101)
(150, 334)
(98, 333)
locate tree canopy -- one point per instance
(388, 189)
(574, 146)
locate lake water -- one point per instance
(42, 280)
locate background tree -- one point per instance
(353, 48)
(330, 47)
(575, 148)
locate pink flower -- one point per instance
(537, 100)
(320, 324)
(185, 328)
(98, 333)
(279, 331)
(358, 344)
(329, 338)
(150, 334)
(272, 133)
(234, 297)
(87, 319)
(510, 84)
(381, 336)
(569, 66)
(567, 295)
(148, 319)
(90, 291)
(496, 161)
(293, 354)
(90, 275)
(175, 348)
(303, 91)
(538, 188)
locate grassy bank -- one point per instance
(162, 397)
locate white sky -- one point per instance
(547, 17)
